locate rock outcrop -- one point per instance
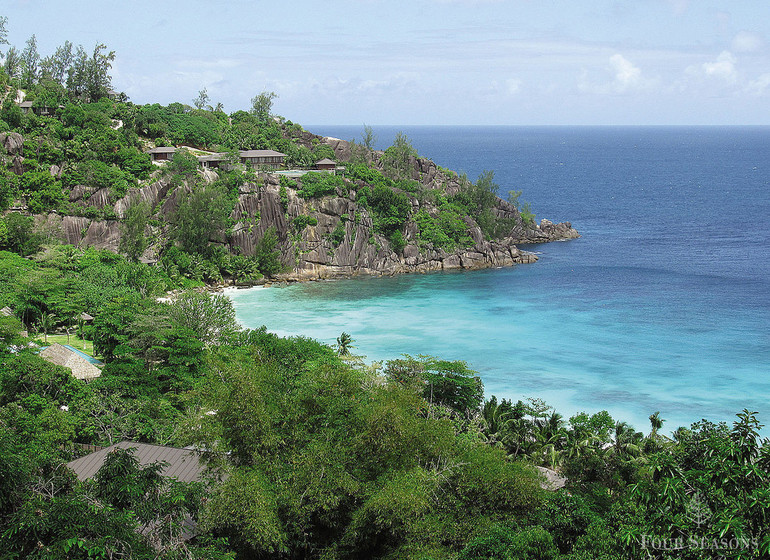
(313, 251)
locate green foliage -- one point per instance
(262, 105)
(209, 318)
(397, 161)
(444, 383)
(338, 235)
(42, 191)
(132, 239)
(322, 151)
(502, 543)
(526, 215)
(479, 200)
(267, 255)
(302, 221)
(246, 507)
(397, 241)
(178, 124)
(200, 217)
(447, 231)
(183, 164)
(373, 177)
(317, 185)
(21, 236)
(390, 209)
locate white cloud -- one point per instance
(723, 67)
(759, 86)
(746, 41)
(626, 74)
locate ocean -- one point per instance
(662, 305)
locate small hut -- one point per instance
(326, 165)
(80, 367)
(162, 153)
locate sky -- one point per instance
(439, 62)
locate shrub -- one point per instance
(447, 231)
(391, 209)
(316, 185)
(397, 241)
(301, 222)
(338, 235)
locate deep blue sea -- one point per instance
(662, 305)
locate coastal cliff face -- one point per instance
(319, 250)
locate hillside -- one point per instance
(84, 171)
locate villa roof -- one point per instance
(326, 161)
(260, 153)
(7, 311)
(182, 464)
(86, 317)
(162, 150)
(80, 367)
(213, 157)
(25, 104)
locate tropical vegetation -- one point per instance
(311, 451)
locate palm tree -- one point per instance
(550, 437)
(497, 420)
(344, 344)
(654, 440)
(656, 422)
(626, 441)
(47, 321)
(581, 443)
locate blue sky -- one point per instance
(528, 62)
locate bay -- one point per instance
(662, 305)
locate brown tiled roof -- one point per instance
(183, 464)
(80, 367)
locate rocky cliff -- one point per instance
(313, 252)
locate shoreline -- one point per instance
(294, 277)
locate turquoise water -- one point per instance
(662, 305)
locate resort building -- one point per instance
(162, 153)
(41, 110)
(262, 158)
(213, 161)
(80, 367)
(326, 165)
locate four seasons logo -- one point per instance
(698, 510)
